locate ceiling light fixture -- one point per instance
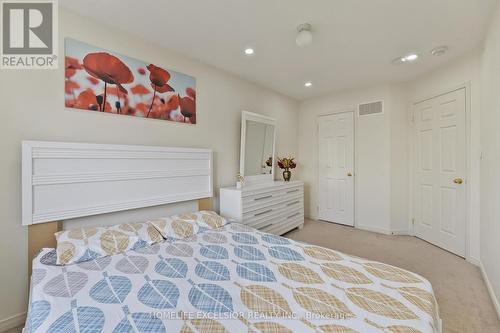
(249, 51)
(439, 51)
(412, 57)
(308, 84)
(304, 35)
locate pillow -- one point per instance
(186, 225)
(209, 219)
(176, 226)
(84, 244)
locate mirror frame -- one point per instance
(246, 115)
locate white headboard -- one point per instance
(63, 180)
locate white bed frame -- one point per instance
(62, 181)
(67, 180)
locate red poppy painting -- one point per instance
(102, 81)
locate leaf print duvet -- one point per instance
(229, 279)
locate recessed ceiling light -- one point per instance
(410, 57)
(308, 84)
(249, 51)
(439, 51)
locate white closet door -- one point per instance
(439, 190)
(336, 168)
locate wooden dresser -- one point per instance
(275, 207)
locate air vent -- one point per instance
(370, 108)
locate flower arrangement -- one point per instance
(287, 163)
(269, 164)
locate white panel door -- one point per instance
(336, 166)
(440, 167)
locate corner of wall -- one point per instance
(490, 161)
(491, 291)
(12, 322)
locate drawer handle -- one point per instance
(267, 225)
(289, 217)
(264, 212)
(262, 198)
(296, 190)
(293, 203)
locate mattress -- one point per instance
(233, 279)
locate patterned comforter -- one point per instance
(233, 279)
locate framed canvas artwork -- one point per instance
(102, 81)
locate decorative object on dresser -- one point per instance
(275, 207)
(240, 180)
(269, 163)
(286, 164)
(272, 206)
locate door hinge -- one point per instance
(413, 221)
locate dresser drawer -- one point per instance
(276, 218)
(276, 207)
(267, 222)
(255, 202)
(285, 225)
(264, 195)
(282, 207)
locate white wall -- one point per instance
(490, 164)
(465, 70)
(383, 146)
(32, 107)
(373, 157)
(399, 141)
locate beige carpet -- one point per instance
(464, 302)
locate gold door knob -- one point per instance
(349, 174)
(458, 181)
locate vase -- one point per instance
(287, 174)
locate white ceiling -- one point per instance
(354, 41)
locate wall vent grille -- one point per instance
(370, 108)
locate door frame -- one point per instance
(468, 161)
(355, 165)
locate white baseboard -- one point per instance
(11, 322)
(310, 217)
(473, 260)
(493, 296)
(389, 232)
(402, 232)
(372, 229)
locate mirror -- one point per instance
(257, 147)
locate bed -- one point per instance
(226, 279)
(233, 279)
